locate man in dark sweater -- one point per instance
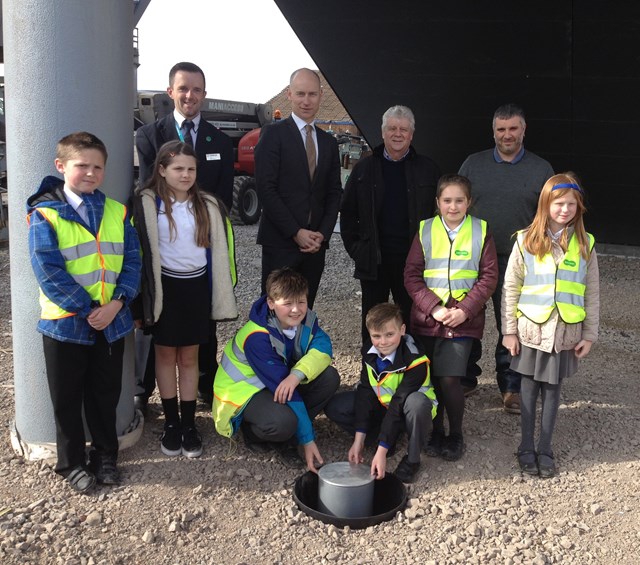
(506, 184)
(385, 198)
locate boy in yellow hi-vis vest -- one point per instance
(394, 395)
(85, 256)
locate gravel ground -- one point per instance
(233, 507)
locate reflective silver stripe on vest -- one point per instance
(454, 284)
(436, 263)
(476, 241)
(537, 280)
(95, 277)
(382, 390)
(536, 299)
(471, 264)
(240, 356)
(574, 276)
(279, 345)
(568, 298)
(236, 375)
(90, 248)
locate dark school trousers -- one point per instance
(417, 419)
(89, 376)
(274, 422)
(389, 279)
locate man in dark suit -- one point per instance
(214, 150)
(298, 181)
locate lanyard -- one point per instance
(180, 132)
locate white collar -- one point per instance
(179, 118)
(301, 123)
(391, 357)
(290, 332)
(453, 232)
(72, 198)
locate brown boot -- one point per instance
(511, 402)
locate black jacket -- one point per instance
(290, 199)
(361, 209)
(213, 148)
(369, 413)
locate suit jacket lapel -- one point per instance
(167, 128)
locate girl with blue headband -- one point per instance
(550, 311)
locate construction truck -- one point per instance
(241, 121)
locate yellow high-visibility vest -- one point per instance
(548, 286)
(235, 382)
(94, 262)
(451, 267)
(389, 382)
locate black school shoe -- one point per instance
(104, 468)
(453, 447)
(546, 465)
(191, 442)
(171, 440)
(435, 443)
(528, 462)
(80, 479)
(406, 471)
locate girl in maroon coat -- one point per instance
(451, 272)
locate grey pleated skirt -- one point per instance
(545, 367)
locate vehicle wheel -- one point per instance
(246, 205)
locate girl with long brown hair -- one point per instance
(187, 279)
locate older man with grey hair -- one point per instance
(386, 196)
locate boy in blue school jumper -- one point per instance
(275, 375)
(85, 255)
(394, 394)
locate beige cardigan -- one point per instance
(554, 334)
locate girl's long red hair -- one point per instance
(537, 240)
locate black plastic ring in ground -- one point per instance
(389, 497)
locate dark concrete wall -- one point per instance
(573, 65)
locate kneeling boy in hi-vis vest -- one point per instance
(275, 375)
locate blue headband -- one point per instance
(566, 185)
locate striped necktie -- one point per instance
(186, 132)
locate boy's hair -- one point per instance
(158, 184)
(380, 314)
(447, 180)
(537, 241)
(185, 67)
(70, 145)
(286, 283)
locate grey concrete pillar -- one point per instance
(67, 68)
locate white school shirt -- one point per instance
(180, 256)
